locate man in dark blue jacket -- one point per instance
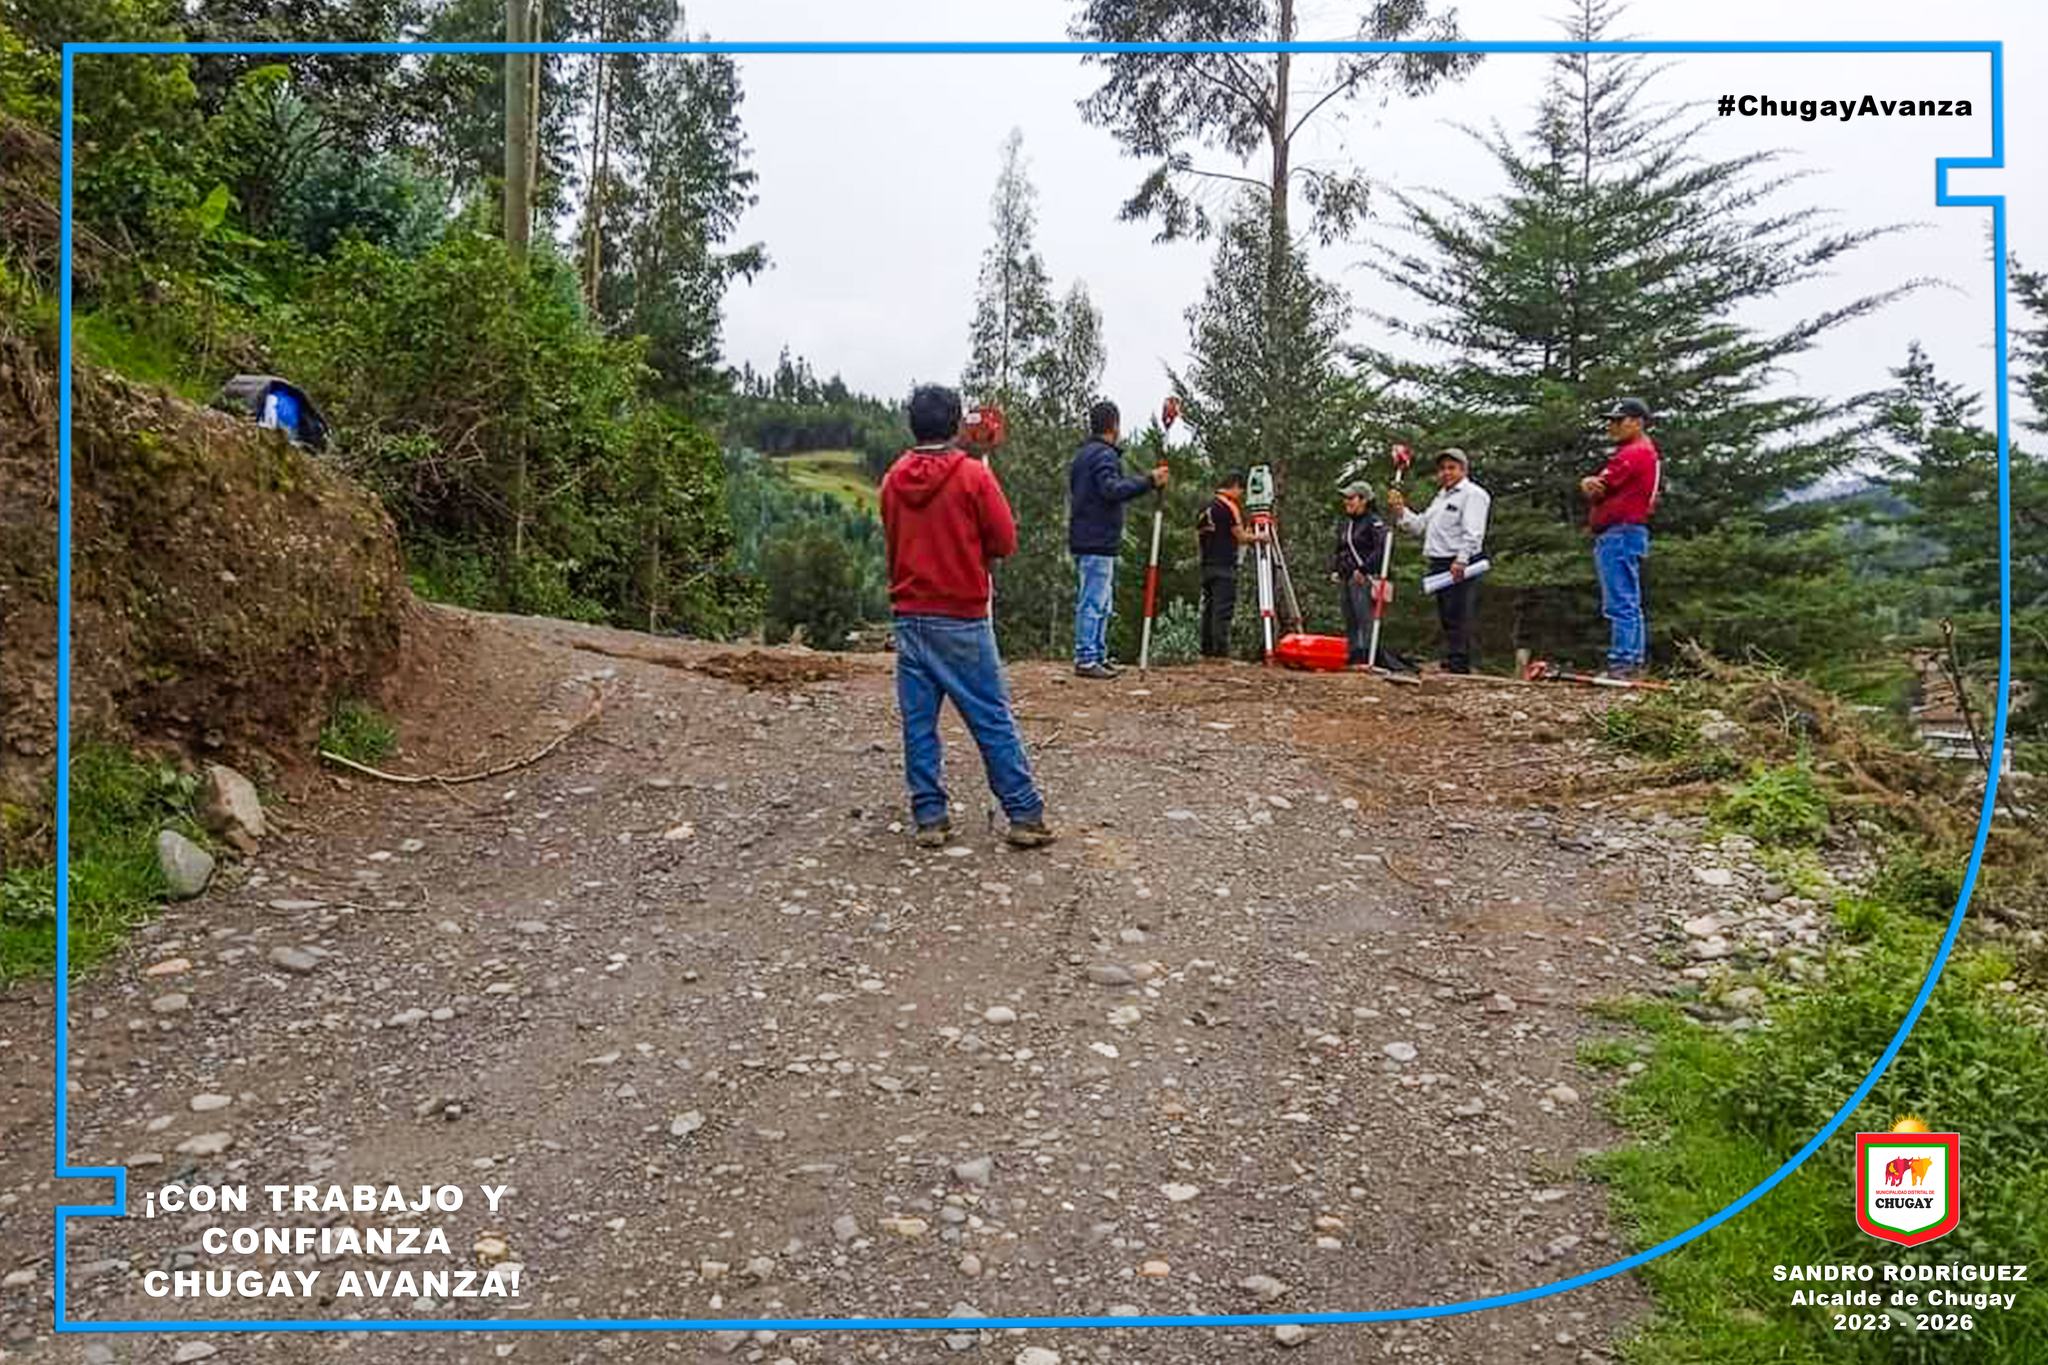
(1097, 489)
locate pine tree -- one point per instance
(1160, 105)
(2029, 503)
(1041, 361)
(679, 185)
(1251, 374)
(1047, 422)
(1013, 311)
(1615, 264)
(1942, 463)
(1616, 261)
(1065, 373)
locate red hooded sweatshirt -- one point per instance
(944, 520)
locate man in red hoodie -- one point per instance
(944, 522)
(1624, 495)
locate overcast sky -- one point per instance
(875, 174)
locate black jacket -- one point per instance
(1360, 543)
(1097, 490)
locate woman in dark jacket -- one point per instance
(1354, 564)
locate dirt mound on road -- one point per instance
(759, 671)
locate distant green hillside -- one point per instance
(840, 473)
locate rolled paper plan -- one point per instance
(1437, 582)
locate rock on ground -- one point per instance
(228, 803)
(187, 867)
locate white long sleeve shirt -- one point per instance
(1453, 526)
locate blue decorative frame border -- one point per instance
(118, 1208)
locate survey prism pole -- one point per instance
(1383, 590)
(1167, 414)
(1258, 505)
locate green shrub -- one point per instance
(459, 574)
(1859, 917)
(1665, 728)
(1917, 882)
(487, 411)
(359, 731)
(814, 583)
(1658, 726)
(1778, 806)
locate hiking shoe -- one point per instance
(1099, 672)
(1028, 834)
(934, 835)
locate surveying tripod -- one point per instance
(1269, 562)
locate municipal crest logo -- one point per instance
(1909, 1183)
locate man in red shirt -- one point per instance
(944, 522)
(1623, 497)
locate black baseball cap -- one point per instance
(1628, 407)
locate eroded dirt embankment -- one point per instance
(226, 586)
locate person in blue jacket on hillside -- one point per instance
(1097, 489)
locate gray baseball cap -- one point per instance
(1357, 490)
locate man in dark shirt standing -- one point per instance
(1624, 495)
(1221, 530)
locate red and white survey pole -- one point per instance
(1168, 414)
(1383, 586)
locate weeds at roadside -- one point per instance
(1858, 918)
(359, 731)
(1665, 728)
(1607, 1054)
(1779, 806)
(1716, 1112)
(1798, 870)
(119, 801)
(1177, 634)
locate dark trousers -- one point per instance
(1456, 606)
(1219, 604)
(1357, 620)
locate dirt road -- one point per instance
(1286, 1021)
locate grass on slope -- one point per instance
(835, 472)
(110, 341)
(118, 803)
(1713, 1112)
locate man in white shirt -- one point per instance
(1453, 531)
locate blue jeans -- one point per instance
(1092, 607)
(950, 658)
(1618, 554)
